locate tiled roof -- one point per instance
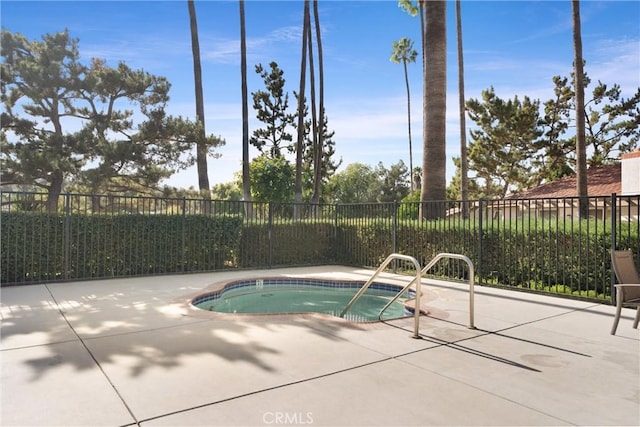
(601, 181)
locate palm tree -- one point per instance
(464, 162)
(201, 143)
(319, 148)
(435, 105)
(581, 151)
(403, 52)
(246, 181)
(314, 111)
(301, 130)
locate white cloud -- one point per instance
(616, 61)
(291, 33)
(368, 118)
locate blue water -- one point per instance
(305, 299)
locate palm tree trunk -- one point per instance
(314, 111)
(464, 162)
(435, 105)
(406, 81)
(201, 143)
(300, 140)
(319, 148)
(581, 150)
(246, 181)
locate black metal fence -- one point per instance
(535, 244)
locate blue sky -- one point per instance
(514, 46)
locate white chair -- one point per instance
(628, 287)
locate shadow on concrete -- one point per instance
(147, 331)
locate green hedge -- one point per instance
(31, 247)
(34, 245)
(365, 243)
(573, 260)
(44, 247)
(293, 243)
(554, 261)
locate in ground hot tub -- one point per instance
(296, 295)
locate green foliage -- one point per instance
(360, 183)
(409, 208)
(403, 51)
(37, 244)
(613, 123)
(612, 126)
(559, 255)
(352, 185)
(38, 81)
(328, 164)
(572, 259)
(271, 179)
(292, 243)
(554, 158)
(271, 107)
(500, 149)
(392, 184)
(515, 149)
(475, 191)
(114, 245)
(46, 91)
(226, 191)
(409, 7)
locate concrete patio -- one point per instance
(132, 352)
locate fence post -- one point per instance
(335, 231)
(183, 255)
(394, 234)
(67, 235)
(479, 264)
(270, 233)
(614, 244)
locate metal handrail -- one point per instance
(471, 278)
(427, 268)
(384, 264)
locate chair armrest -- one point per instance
(628, 293)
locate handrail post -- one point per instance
(614, 244)
(394, 232)
(270, 234)
(418, 280)
(480, 237)
(385, 263)
(471, 279)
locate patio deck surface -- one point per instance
(130, 352)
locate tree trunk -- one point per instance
(581, 150)
(406, 81)
(57, 177)
(246, 181)
(464, 162)
(299, 143)
(435, 104)
(201, 143)
(319, 148)
(55, 189)
(316, 161)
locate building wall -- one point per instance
(630, 173)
